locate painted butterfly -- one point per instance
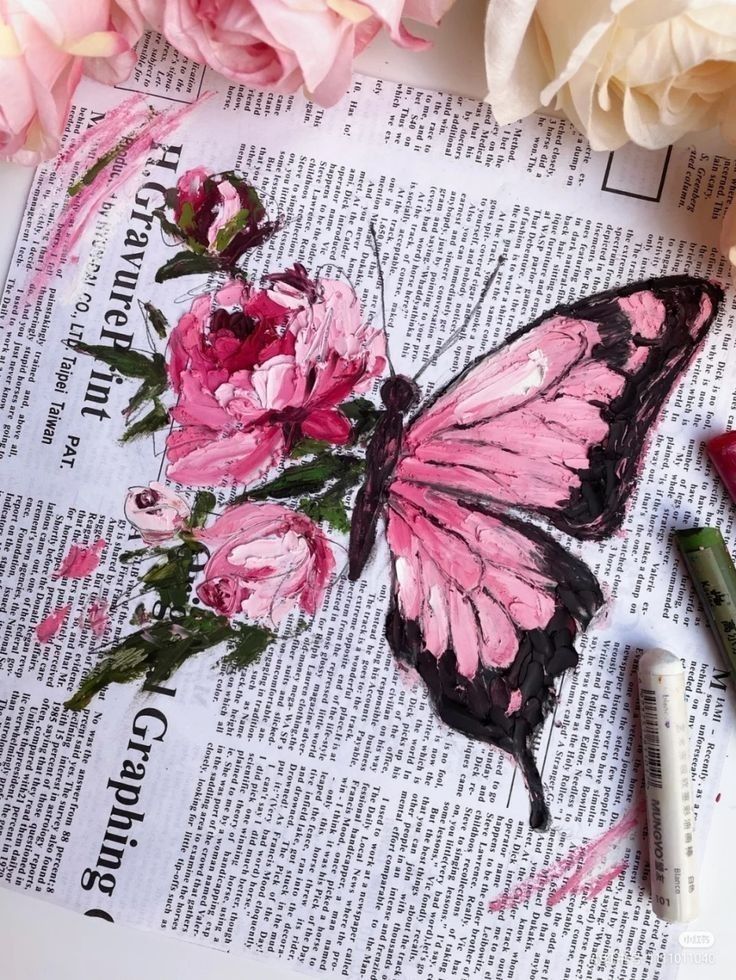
(553, 423)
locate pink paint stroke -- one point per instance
(81, 560)
(94, 617)
(575, 868)
(51, 624)
(82, 209)
(95, 141)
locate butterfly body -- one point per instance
(398, 395)
(551, 425)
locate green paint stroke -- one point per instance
(87, 178)
(156, 651)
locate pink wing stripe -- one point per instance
(509, 378)
(528, 457)
(465, 577)
(645, 312)
(518, 428)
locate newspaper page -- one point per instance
(311, 808)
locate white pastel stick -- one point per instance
(664, 732)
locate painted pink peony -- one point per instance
(284, 44)
(156, 512)
(256, 370)
(45, 45)
(265, 561)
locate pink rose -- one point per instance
(258, 370)
(283, 44)
(44, 46)
(265, 561)
(156, 512)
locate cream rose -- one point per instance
(637, 70)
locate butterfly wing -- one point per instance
(486, 608)
(555, 421)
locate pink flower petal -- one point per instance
(50, 625)
(81, 560)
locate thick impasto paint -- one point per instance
(552, 424)
(266, 381)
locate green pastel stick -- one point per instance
(714, 576)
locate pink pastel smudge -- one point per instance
(81, 560)
(577, 872)
(94, 142)
(143, 128)
(50, 625)
(94, 617)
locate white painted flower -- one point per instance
(156, 512)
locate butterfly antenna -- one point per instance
(454, 337)
(382, 290)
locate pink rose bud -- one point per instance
(265, 561)
(156, 512)
(216, 214)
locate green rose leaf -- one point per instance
(309, 447)
(245, 646)
(157, 320)
(129, 363)
(305, 478)
(188, 264)
(204, 504)
(329, 508)
(127, 556)
(171, 578)
(363, 415)
(154, 421)
(157, 650)
(98, 166)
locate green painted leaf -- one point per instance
(158, 321)
(188, 264)
(157, 650)
(245, 646)
(168, 226)
(364, 415)
(98, 166)
(204, 504)
(127, 556)
(129, 363)
(328, 508)
(154, 421)
(226, 234)
(146, 392)
(309, 447)
(304, 478)
(171, 577)
(187, 221)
